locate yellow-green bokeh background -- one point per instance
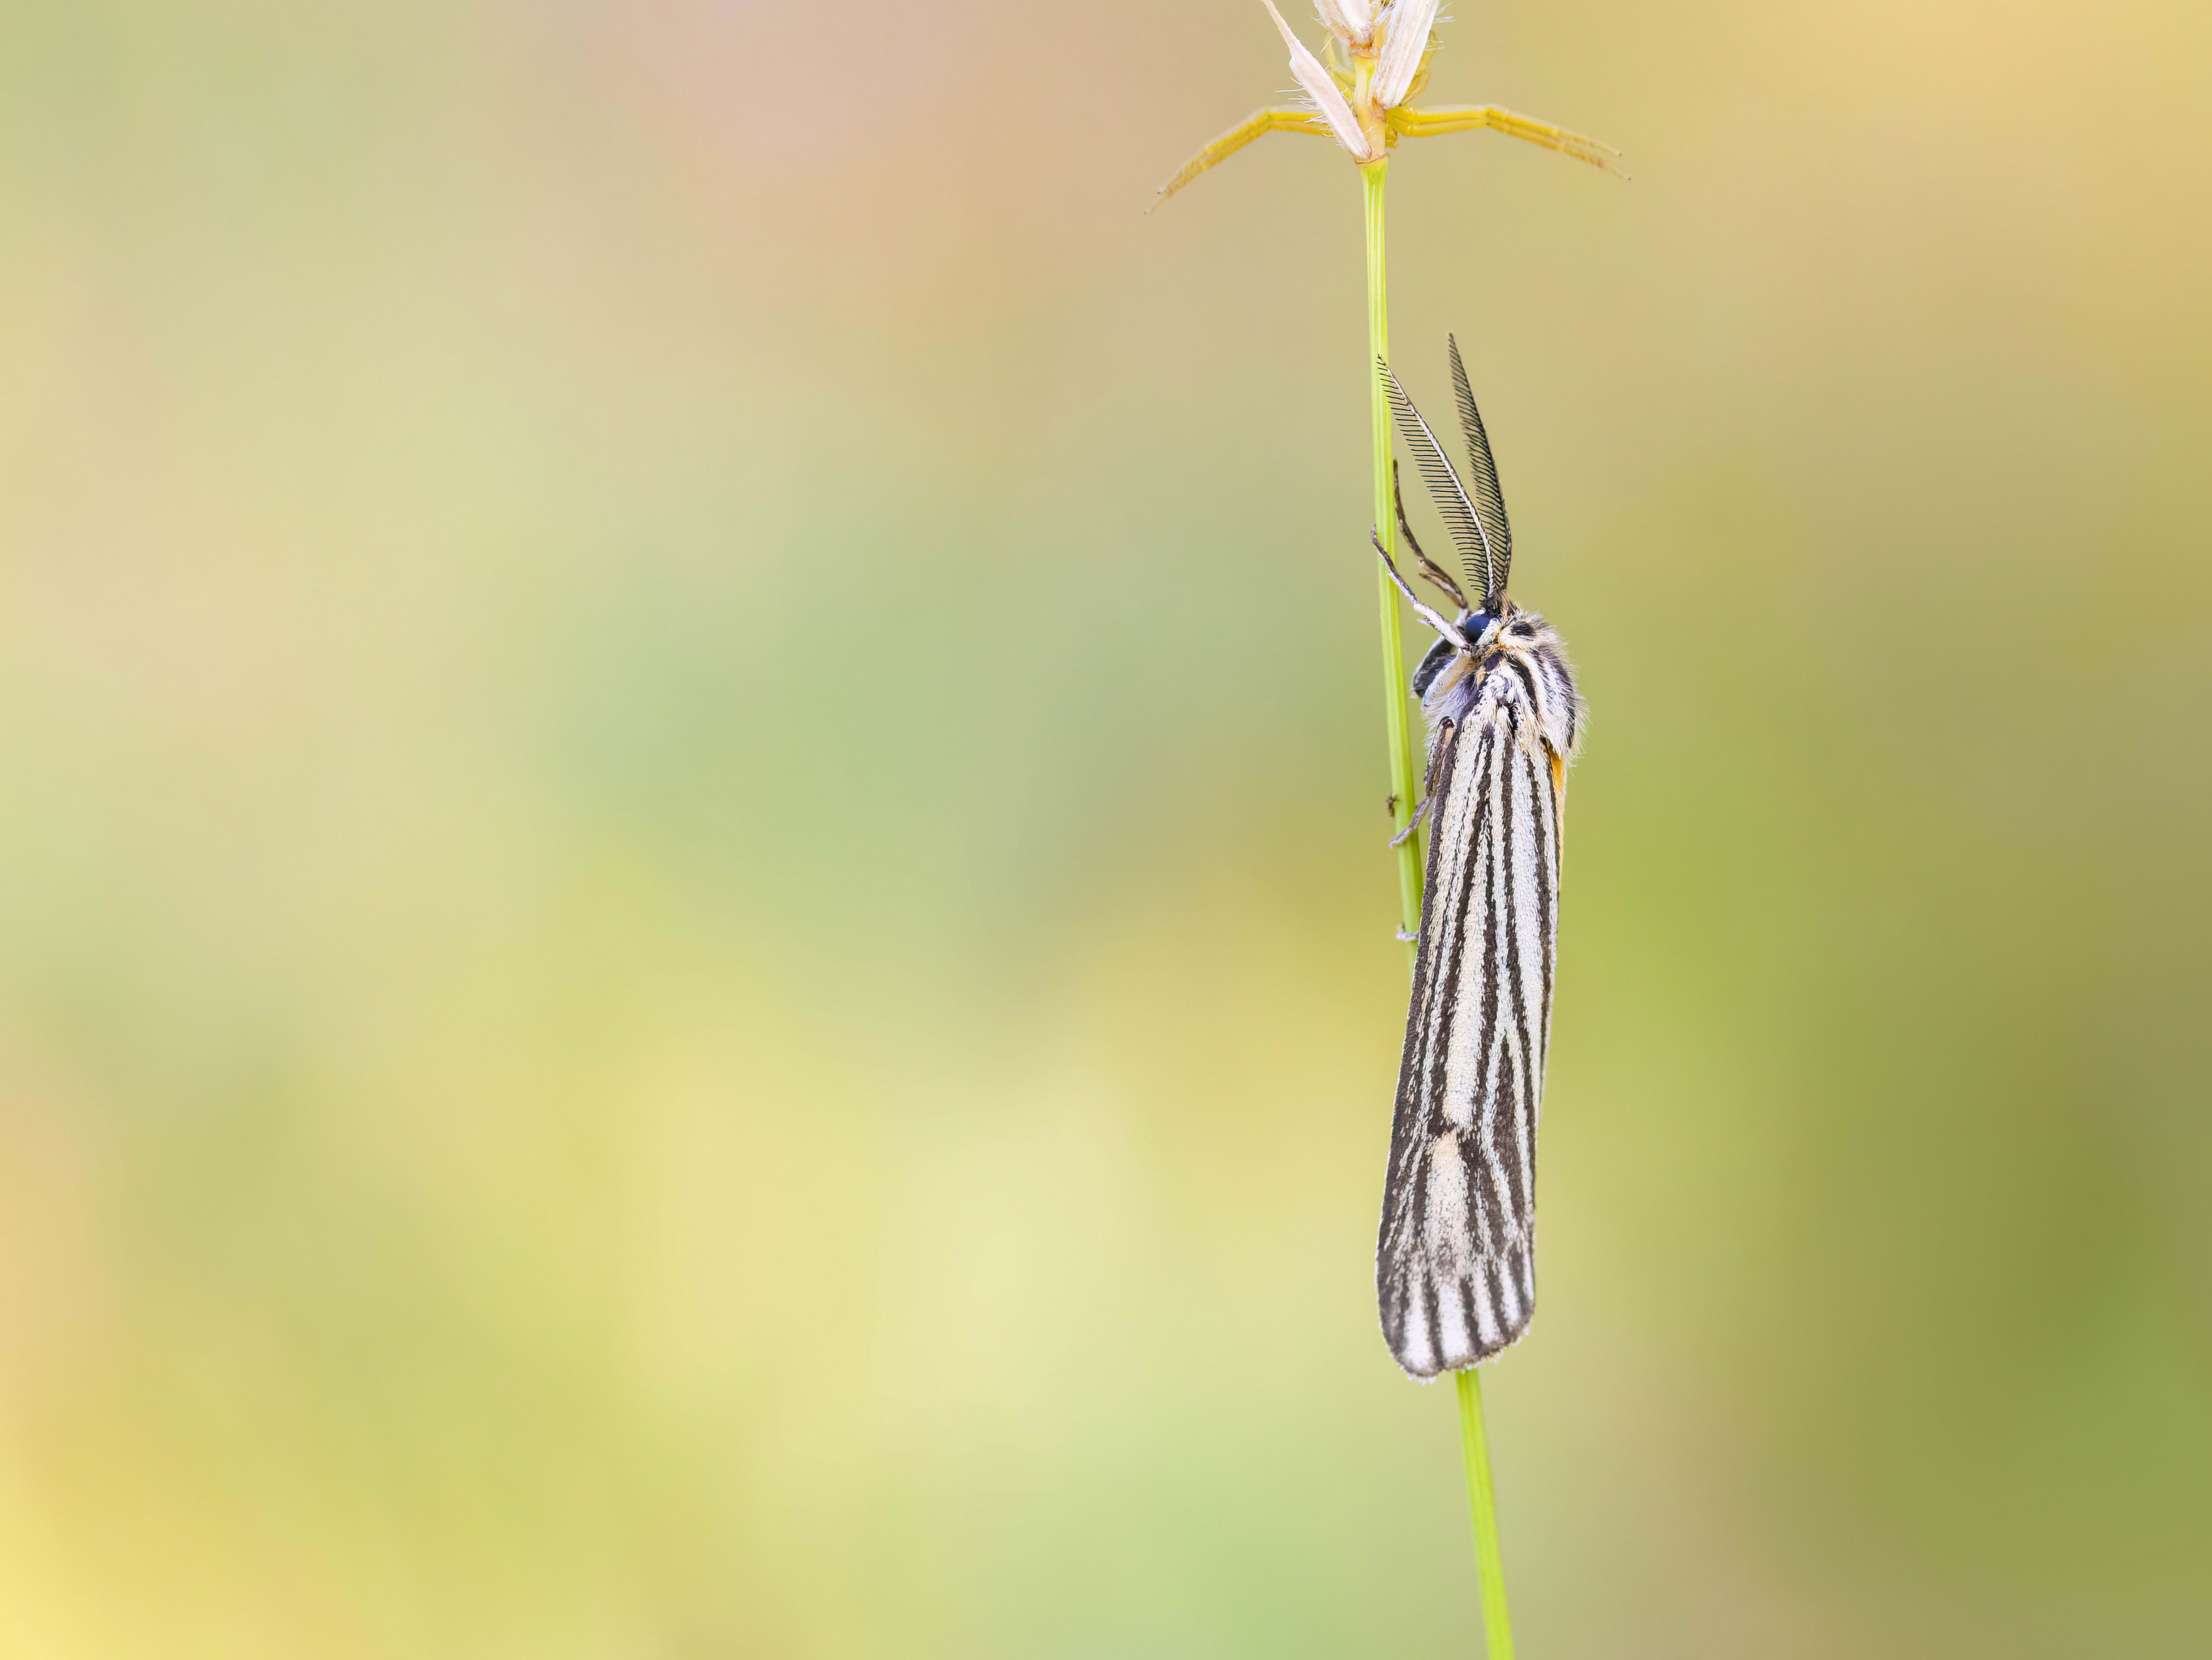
(694, 955)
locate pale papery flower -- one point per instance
(1329, 100)
(1348, 20)
(1406, 47)
(1361, 100)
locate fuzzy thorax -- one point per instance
(1458, 685)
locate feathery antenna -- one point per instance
(1458, 508)
(1489, 503)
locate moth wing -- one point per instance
(1455, 1269)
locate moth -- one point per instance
(1454, 1264)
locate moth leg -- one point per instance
(1469, 117)
(1258, 125)
(1431, 775)
(1450, 631)
(1438, 577)
(1405, 938)
(1414, 823)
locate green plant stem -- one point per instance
(1395, 695)
(1490, 1568)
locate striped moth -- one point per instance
(1454, 1266)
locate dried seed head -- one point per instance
(1328, 97)
(1381, 50)
(1404, 46)
(1349, 21)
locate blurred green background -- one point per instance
(694, 951)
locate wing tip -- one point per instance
(1429, 1336)
(1428, 1369)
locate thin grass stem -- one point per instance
(1490, 1568)
(1395, 695)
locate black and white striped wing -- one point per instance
(1456, 1265)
